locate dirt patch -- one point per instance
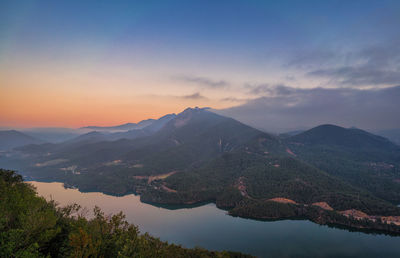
(355, 213)
(113, 163)
(155, 177)
(140, 177)
(290, 152)
(391, 219)
(282, 200)
(361, 215)
(138, 166)
(167, 189)
(323, 205)
(51, 162)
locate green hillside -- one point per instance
(358, 157)
(201, 157)
(32, 227)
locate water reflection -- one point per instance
(211, 228)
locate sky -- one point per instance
(277, 65)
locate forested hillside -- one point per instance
(323, 174)
(365, 160)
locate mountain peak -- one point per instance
(193, 110)
(190, 114)
(328, 127)
(336, 135)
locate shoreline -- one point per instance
(354, 225)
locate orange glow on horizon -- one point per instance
(67, 95)
(30, 107)
(49, 110)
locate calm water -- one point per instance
(210, 227)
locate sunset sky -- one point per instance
(77, 63)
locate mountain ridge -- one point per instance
(128, 126)
(199, 156)
(12, 138)
(359, 157)
(347, 137)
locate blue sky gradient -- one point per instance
(173, 51)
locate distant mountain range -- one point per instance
(134, 126)
(10, 139)
(328, 174)
(123, 127)
(391, 134)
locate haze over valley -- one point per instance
(200, 128)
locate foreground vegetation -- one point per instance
(30, 226)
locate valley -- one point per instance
(329, 175)
(211, 228)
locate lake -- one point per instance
(211, 228)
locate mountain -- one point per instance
(391, 134)
(356, 156)
(157, 124)
(198, 156)
(90, 137)
(339, 136)
(52, 134)
(10, 139)
(123, 127)
(147, 128)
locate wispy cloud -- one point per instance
(376, 65)
(269, 89)
(299, 108)
(363, 75)
(234, 99)
(290, 78)
(203, 81)
(196, 95)
(308, 59)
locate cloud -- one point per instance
(269, 89)
(290, 78)
(294, 108)
(376, 65)
(384, 55)
(308, 59)
(196, 95)
(233, 99)
(203, 81)
(363, 75)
